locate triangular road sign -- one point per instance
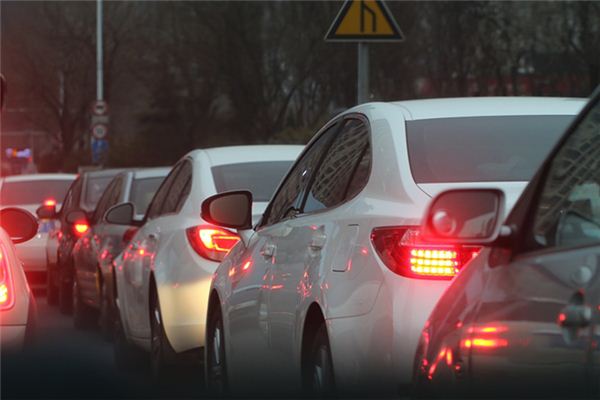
(364, 21)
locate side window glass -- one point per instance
(286, 202)
(568, 213)
(103, 203)
(161, 194)
(335, 175)
(177, 188)
(185, 193)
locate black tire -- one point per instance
(318, 374)
(65, 291)
(127, 356)
(107, 314)
(160, 350)
(51, 288)
(84, 317)
(216, 367)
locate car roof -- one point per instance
(252, 153)
(489, 106)
(143, 173)
(103, 173)
(40, 177)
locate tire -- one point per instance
(127, 357)
(160, 350)
(51, 288)
(84, 317)
(318, 372)
(107, 314)
(65, 291)
(216, 367)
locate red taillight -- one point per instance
(6, 284)
(129, 234)
(80, 228)
(211, 242)
(401, 251)
(49, 202)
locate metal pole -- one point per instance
(99, 53)
(363, 73)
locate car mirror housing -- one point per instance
(46, 211)
(464, 216)
(120, 214)
(19, 224)
(229, 209)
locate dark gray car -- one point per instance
(522, 319)
(94, 252)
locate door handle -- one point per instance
(575, 316)
(268, 250)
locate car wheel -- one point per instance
(83, 315)
(319, 378)
(216, 367)
(158, 343)
(107, 318)
(51, 288)
(65, 291)
(127, 357)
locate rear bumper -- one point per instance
(12, 337)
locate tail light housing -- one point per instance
(80, 228)
(211, 242)
(404, 253)
(7, 295)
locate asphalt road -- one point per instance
(64, 362)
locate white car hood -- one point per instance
(512, 190)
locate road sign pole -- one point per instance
(363, 73)
(99, 53)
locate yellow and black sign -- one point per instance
(364, 21)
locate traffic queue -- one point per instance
(439, 247)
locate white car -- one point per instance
(17, 304)
(331, 289)
(163, 276)
(29, 192)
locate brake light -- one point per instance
(211, 242)
(402, 252)
(80, 228)
(49, 202)
(6, 284)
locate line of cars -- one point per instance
(289, 268)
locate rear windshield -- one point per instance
(33, 192)
(260, 178)
(95, 188)
(481, 149)
(142, 191)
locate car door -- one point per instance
(249, 328)
(135, 289)
(308, 251)
(537, 325)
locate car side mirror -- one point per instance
(464, 216)
(76, 217)
(229, 209)
(19, 224)
(46, 211)
(120, 214)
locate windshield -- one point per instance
(142, 192)
(481, 149)
(33, 192)
(260, 178)
(95, 188)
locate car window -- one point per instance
(568, 213)
(72, 199)
(159, 198)
(103, 202)
(177, 189)
(286, 201)
(142, 191)
(33, 192)
(332, 180)
(95, 186)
